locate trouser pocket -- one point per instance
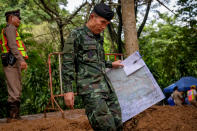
(4, 59)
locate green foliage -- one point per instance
(167, 48)
(3, 92)
(28, 9)
(35, 93)
(35, 81)
(168, 51)
(35, 84)
(188, 11)
(3, 89)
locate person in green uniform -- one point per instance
(84, 63)
(13, 55)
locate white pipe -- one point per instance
(60, 70)
(107, 57)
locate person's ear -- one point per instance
(10, 18)
(92, 16)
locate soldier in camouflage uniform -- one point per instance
(84, 63)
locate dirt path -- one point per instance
(156, 118)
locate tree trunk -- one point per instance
(129, 26)
(60, 25)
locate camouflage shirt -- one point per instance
(84, 63)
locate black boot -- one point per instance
(18, 110)
(13, 111)
(8, 110)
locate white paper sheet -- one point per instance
(133, 63)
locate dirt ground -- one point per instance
(155, 118)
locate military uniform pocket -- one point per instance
(90, 53)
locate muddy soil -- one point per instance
(155, 118)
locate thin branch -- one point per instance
(75, 13)
(44, 17)
(41, 35)
(113, 36)
(165, 6)
(50, 10)
(145, 18)
(88, 11)
(51, 15)
(142, 4)
(36, 36)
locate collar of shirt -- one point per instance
(90, 34)
(11, 25)
(88, 31)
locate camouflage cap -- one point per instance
(104, 11)
(14, 12)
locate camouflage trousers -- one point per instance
(103, 111)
